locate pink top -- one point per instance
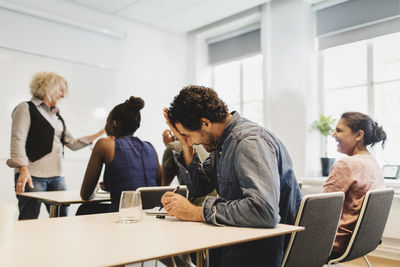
(354, 176)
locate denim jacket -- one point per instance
(253, 174)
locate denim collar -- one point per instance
(228, 129)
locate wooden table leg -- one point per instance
(202, 258)
(54, 211)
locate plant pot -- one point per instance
(326, 164)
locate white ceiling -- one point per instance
(179, 16)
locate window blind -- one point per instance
(242, 45)
(356, 20)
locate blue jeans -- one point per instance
(29, 208)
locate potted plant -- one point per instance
(325, 126)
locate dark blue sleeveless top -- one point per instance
(134, 165)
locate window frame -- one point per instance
(370, 83)
(241, 83)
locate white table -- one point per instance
(57, 199)
(97, 240)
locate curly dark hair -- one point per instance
(195, 102)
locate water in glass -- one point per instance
(130, 207)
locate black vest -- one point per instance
(40, 138)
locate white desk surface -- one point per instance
(97, 240)
(64, 197)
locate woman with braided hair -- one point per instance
(356, 174)
(129, 162)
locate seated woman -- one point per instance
(356, 174)
(129, 162)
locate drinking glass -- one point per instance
(130, 207)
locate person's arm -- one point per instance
(96, 135)
(169, 168)
(197, 176)
(160, 174)
(256, 168)
(179, 206)
(257, 171)
(21, 122)
(103, 152)
(339, 179)
(23, 179)
(167, 176)
(78, 143)
(187, 149)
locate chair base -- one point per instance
(367, 261)
(332, 262)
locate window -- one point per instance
(386, 93)
(365, 77)
(239, 84)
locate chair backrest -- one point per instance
(370, 224)
(320, 215)
(151, 196)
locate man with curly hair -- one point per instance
(248, 165)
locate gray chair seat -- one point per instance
(370, 225)
(320, 215)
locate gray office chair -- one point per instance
(151, 196)
(320, 215)
(370, 225)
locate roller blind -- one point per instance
(356, 20)
(242, 45)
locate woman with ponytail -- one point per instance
(129, 162)
(356, 174)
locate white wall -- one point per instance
(149, 63)
(291, 93)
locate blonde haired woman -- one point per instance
(38, 136)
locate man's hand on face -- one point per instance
(180, 137)
(178, 206)
(188, 152)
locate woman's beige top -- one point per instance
(354, 176)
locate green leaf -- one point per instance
(325, 125)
